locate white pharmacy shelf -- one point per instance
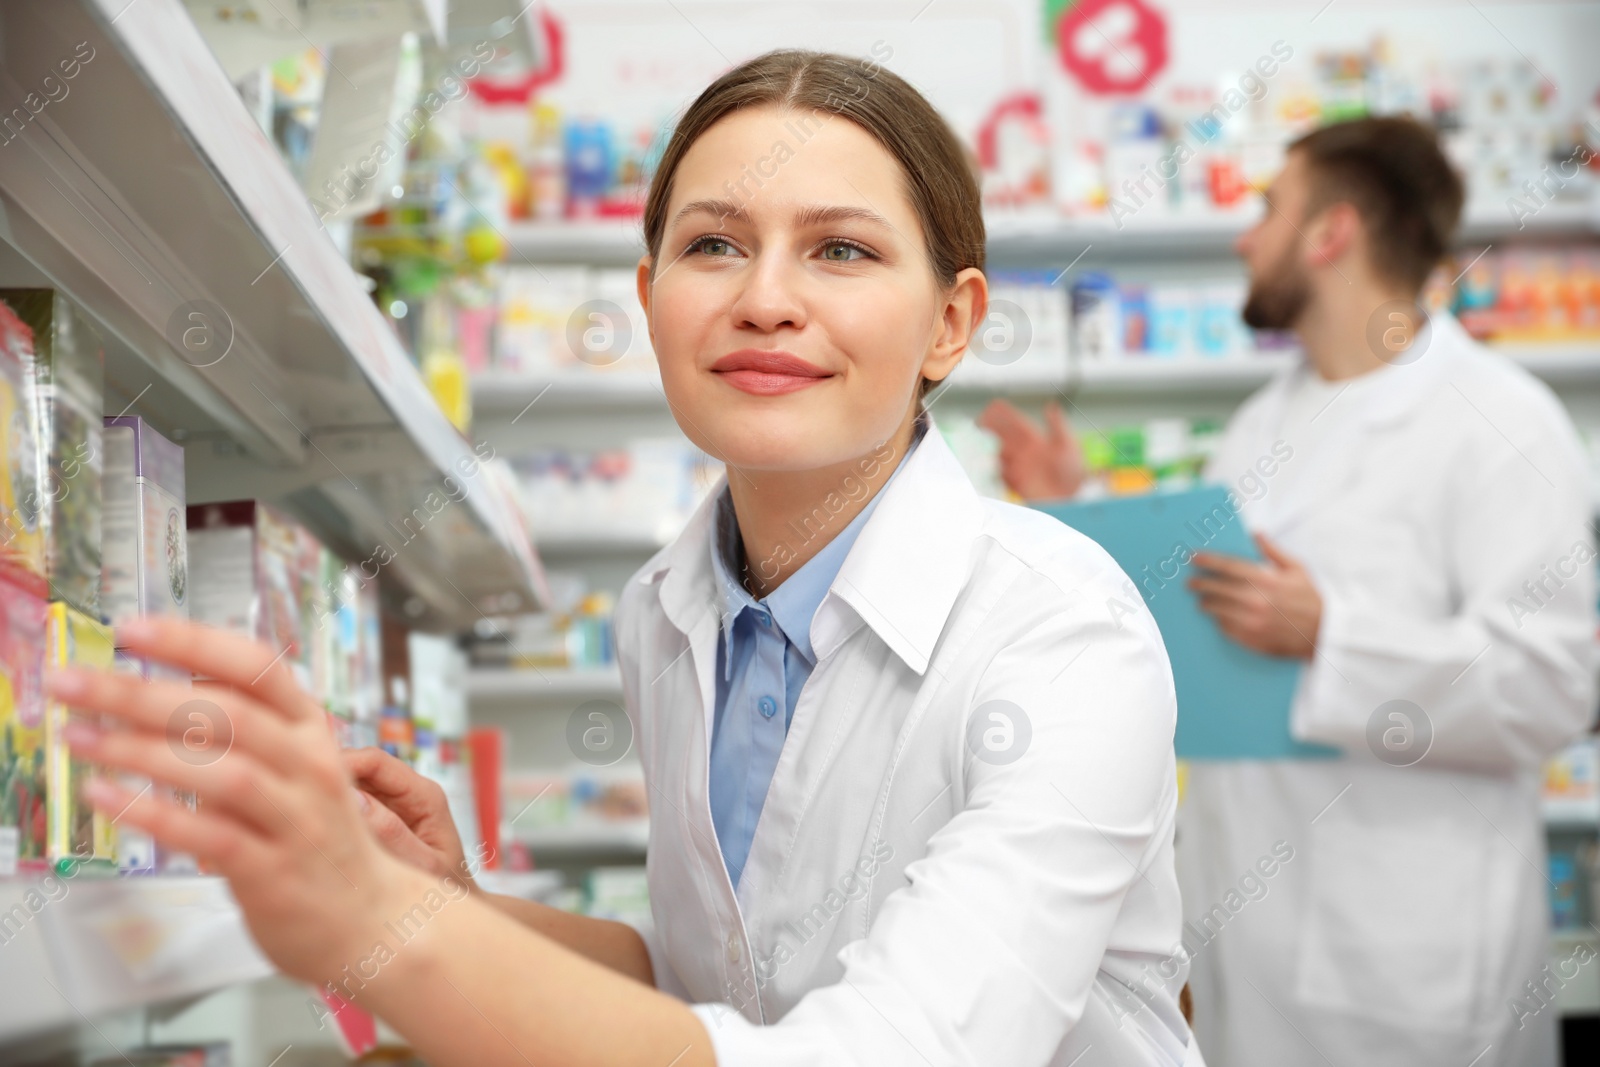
(1154, 234)
(600, 542)
(497, 394)
(515, 396)
(232, 321)
(1146, 374)
(1046, 237)
(1572, 955)
(74, 949)
(590, 835)
(1572, 814)
(1559, 364)
(543, 683)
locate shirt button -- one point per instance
(764, 619)
(768, 706)
(733, 948)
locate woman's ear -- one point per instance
(642, 281)
(962, 313)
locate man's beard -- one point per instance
(1277, 298)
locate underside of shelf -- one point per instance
(149, 196)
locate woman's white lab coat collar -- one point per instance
(901, 577)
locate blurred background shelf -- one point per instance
(602, 541)
(630, 835)
(1226, 374)
(546, 684)
(1045, 238)
(1576, 363)
(500, 394)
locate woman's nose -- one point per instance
(767, 296)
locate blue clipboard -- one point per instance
(1233, 704)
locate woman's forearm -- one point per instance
(611, 944)
(469, 987)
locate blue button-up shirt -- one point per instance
(764, 652)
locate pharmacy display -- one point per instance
(95, 530)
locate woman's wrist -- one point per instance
(399, 903)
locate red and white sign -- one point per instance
(1112, 46)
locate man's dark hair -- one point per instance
(1394, 173)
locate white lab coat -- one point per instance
(905, 902)
(1414, 909)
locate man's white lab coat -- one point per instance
(965, 856)
(1445, 520)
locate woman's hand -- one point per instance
(278, 816)
(408, 813)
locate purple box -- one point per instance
(145, 569)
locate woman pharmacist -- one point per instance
(1425, 512)
(912, 788)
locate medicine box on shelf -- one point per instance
(146, 562)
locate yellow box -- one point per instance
(21, 494)
(78, 833)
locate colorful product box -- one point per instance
(341, 631)
(246, 575)
(78, 833)
(355, 650)
(258, 573)
(369, 686)
(21, 539)
(146, 567)
(314, 598)
(1572, 783)
(69, 394)
(137, 853)
(24, 824)
(136, 850)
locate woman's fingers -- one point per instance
(205, 723)
(217, 841)
(230, 782)
(395, 785)
(230, 659)
(400, 840)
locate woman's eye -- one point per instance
(847, 246)
(700, 243)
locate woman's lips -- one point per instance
(768, 383)
(767, 372)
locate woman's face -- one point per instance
(794, 311)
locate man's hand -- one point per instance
(1270, 607)
(407, 813)
(1035, 465)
